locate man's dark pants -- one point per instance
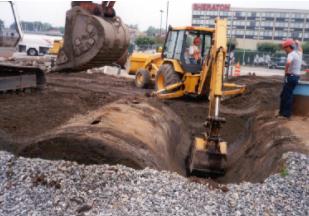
(287, 95)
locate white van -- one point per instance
(35, 45)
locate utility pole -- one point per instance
(161, 11)
(167, 10)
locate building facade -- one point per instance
(251, 25)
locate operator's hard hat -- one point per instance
(288, 42)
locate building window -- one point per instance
(249, 33)
(273, 14)
(243, 14)
(292, 15)
(231, 13)
(297, 25)
(267, 24)
(282, 24)
(299, 15)
(282, 15)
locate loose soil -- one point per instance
(97, 118)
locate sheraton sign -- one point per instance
(211, 7)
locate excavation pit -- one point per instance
(158, 134)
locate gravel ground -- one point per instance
(40, 187)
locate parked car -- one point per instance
(277, 63)
(35, 45)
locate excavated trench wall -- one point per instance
(135, 134)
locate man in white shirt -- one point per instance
(194, 51)
(292, 73)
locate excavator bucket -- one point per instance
(206, 160)
(208, 154)
(91, 39)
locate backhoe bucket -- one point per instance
(205, 160)
(91, 41)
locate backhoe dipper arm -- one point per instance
(214, 121)
(213, 69)
(208, 154)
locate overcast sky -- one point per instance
(144, 13)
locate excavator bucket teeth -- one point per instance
(91, 41)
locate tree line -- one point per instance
(35, 26)
(152, 37)
(274, 47)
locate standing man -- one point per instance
(292, 73)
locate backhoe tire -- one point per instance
(166, 76)
(142, 78)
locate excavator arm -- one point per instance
(208, 153)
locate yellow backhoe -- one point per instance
(193, 64)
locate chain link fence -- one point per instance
(264, 59)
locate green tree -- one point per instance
(1, 24)
(35, 26)
(159, 40)
(268, 47)
(152, 31)
(232, 44)
(61, 29)
(306, 47)
(144, 41)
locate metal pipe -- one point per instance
(217, 106)
(161, 11)
(167, 10)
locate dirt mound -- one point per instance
(26, 115)
(132, 133)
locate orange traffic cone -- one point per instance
(237, 70)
